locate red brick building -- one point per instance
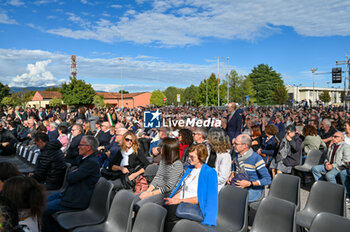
(130, 100)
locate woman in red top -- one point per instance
(186, 140)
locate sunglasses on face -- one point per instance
(128, 140)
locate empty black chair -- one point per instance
(325, 222)
(275, 214)
(150, 218)
(96, 212)
(119, 217)
(233, 209)
(314, 157)
(323, 197)
(286, 187)
(185, 225)
(65, 182)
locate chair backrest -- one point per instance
(326, 197)
(314, 157)
(185, 225)
(233, 209)
(120, 214)
(150, 218)
(286, 187)
(325, 222)
(275, 214)
(35, 157)
(65, 182)
(100, 199)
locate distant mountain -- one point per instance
(31, 88)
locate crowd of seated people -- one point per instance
(194, 163)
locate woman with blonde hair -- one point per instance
(220, 147)
(87, 128)
(129, 161)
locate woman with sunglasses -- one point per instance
(130, 161)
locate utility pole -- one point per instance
(228, 75)
(121, 78)
(313, 70)
(218, 59)
(345, 62)
(206, 91)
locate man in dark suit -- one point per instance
(81, 183)
(53, 133)
(73, 151)
(106, 136)
(234, 121)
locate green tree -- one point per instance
(280, 95)
(171, 95)
(342, 95)
(211, 84)
(248, 89)
(265, 81)
(53, 88)
(12, 100)
(124, 91)
(4, 91)
(190, 95)
(325, 97)
(235, 86)
(157, 98)
(77, 92)
(55, 102)
(26, 96)
(99, 101)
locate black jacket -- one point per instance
(104, 138)
(294, 157)
(136, 161)
(72, 151)
(7, 136)
(81, 183)
(50, 167)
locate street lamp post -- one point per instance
(121, 78)
(206, 92)
(228, 75)
(313, 70)
(218, 60)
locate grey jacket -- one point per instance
(342, 156)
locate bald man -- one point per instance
(337, 160)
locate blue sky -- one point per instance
(169, 43)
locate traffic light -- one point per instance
(336, 75)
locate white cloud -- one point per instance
(84, 1)
(48, 67)
(181, 23)
(116, 6)
(15, 3)
(4, 18)
(36, 75)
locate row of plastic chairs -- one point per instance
(278, 211)
(25, 158)
(101, 216)
(278, 215)
(283, 200)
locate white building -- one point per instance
(299, 93)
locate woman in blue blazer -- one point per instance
(199, 185)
